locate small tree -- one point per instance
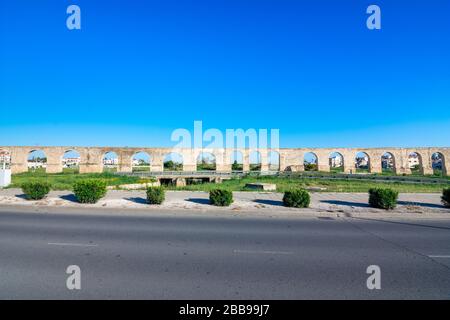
(297, 198)
(383, 198)
(35, 190)
(89, 190)
(446, 197)
(155, 195)
(221, 197)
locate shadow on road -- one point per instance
(137, 200)
(346, 203)
(69, 197)
(21, 196)
(198, 200)
(421, 204)
(269, 202)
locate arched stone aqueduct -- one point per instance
(290, 159)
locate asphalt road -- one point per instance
(157, 257)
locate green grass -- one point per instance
(337, 169)
(206, 167)
(73, 170)
(284, 184)
(141, 168)
(65, 180)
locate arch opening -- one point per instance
(5, 159)
(362, 162)
(173, 162)
(438, 164)
(37, 161)
(110, 162)
(336, 161)
(310, 161)
(140, 162)
(71, 161)
(415, 164)
(237, 161)
(274, 161)
(206, 162)
(254, 160)
(388, 163)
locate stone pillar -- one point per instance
(54, 160)
(125, 161)
(19, 160)
(91, 160)
(323, 162)
(222, 164)
(401, 162)
(445, 157)
(189, 160)
(374, 161)
(264, 160)
(349, 162)
(283, 162)
(180, 182)
(157, 162)
(426, 162)
(245, 160)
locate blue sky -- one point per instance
(137, 70)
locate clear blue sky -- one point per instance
(139, 69)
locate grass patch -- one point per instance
(338, 185)
(65, 180)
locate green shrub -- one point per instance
(383, 198)
(89, 190)
(297, 198)
(35, 190)
(220, 197)
(155, 195)
(446, 197)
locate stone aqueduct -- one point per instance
(290, 159)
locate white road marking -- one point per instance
(72, 244)
(439, 256)
(262, 252)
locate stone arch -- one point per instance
(255, 161)
(415, 162)
(273, 161)
(37, 161)
(311, 161)
(362, 162)
(336, 162)
(140, 162)
(438, 164)
(70, 161)
(388, 163)
(173, 161)
(206, 161)
(5, 159)
(110, 161)
(237, 161)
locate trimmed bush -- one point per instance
(89, 190)
(446, 197)
(35, 190)
(383, 198)
(297, 198)
(220, 197)
(155, 195)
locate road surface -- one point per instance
(195, 257)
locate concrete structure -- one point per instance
(290, 159)
(5, 177)
(261, 186)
